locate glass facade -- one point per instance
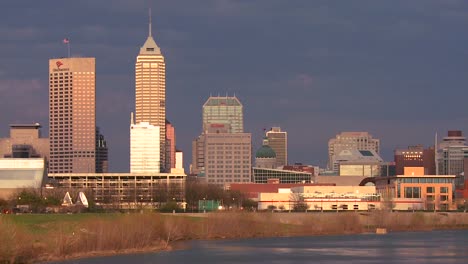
(261, 175)
(226, 111)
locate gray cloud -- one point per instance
(315, 68)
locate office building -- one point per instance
(350, 141)
(198, 156)
(421, 192)
(223, 112)
(126, 190)
(144, 148)
(278, 141)
(415, 160)
(25, 141)
(150, 91)
(227, 158)
(102, 158)
(451, 153)
(170, 146)
(72, 115)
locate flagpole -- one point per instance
(68, 44)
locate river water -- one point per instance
(408, 247)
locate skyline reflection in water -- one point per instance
(409, 247)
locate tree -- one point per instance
(387, 201)
(299, 204)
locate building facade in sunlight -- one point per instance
(150, 91)
(72, 115)
(278, 141)
(350, 141)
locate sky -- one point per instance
(397, 69)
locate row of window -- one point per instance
(425, 180)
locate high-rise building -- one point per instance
(278, 141)
(144, 148)
(72, 115)
(225, 113)
(150, 90)
(25, 141)
(350, 141)
(170, 146)
(222, 153)
(102, 159)
(451, 153)
(228, 158)
(415, 160)
(198, 155)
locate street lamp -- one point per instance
(204, 204)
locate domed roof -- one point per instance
(265, 152)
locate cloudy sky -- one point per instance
(398, 69)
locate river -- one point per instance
(408, 247)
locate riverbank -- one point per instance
(36, 238)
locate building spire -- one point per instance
(149, 11)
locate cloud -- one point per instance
(23, 101)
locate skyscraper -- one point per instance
(72, 115)
(222, 153)
(170, 147)
(350, 141)
(150, 90)
(451, 153)
(278, 141)
(225, 113)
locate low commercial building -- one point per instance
(25, 141)
(21, 173)
(125, 188)
(252, 190)
(321, 198)
(411, 192)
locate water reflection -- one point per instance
(417, 247)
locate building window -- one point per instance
(443, 189)
(443, 198)
(412, 192)
(430, 190)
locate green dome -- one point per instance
(265, 152)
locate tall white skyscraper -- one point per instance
(144, 148)
(150, 90)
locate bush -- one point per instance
(170, 207)
(300, 207)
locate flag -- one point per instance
(66, 41)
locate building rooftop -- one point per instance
(26, 126)
(222, 101)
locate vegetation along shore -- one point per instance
(32, 238)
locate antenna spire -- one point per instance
(149, 21)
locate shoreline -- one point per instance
(55, 238)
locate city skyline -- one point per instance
(340, 74)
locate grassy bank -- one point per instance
(32, 238)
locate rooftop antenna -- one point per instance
(435, 155)
(149, 14)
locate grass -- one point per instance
(32, 238)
